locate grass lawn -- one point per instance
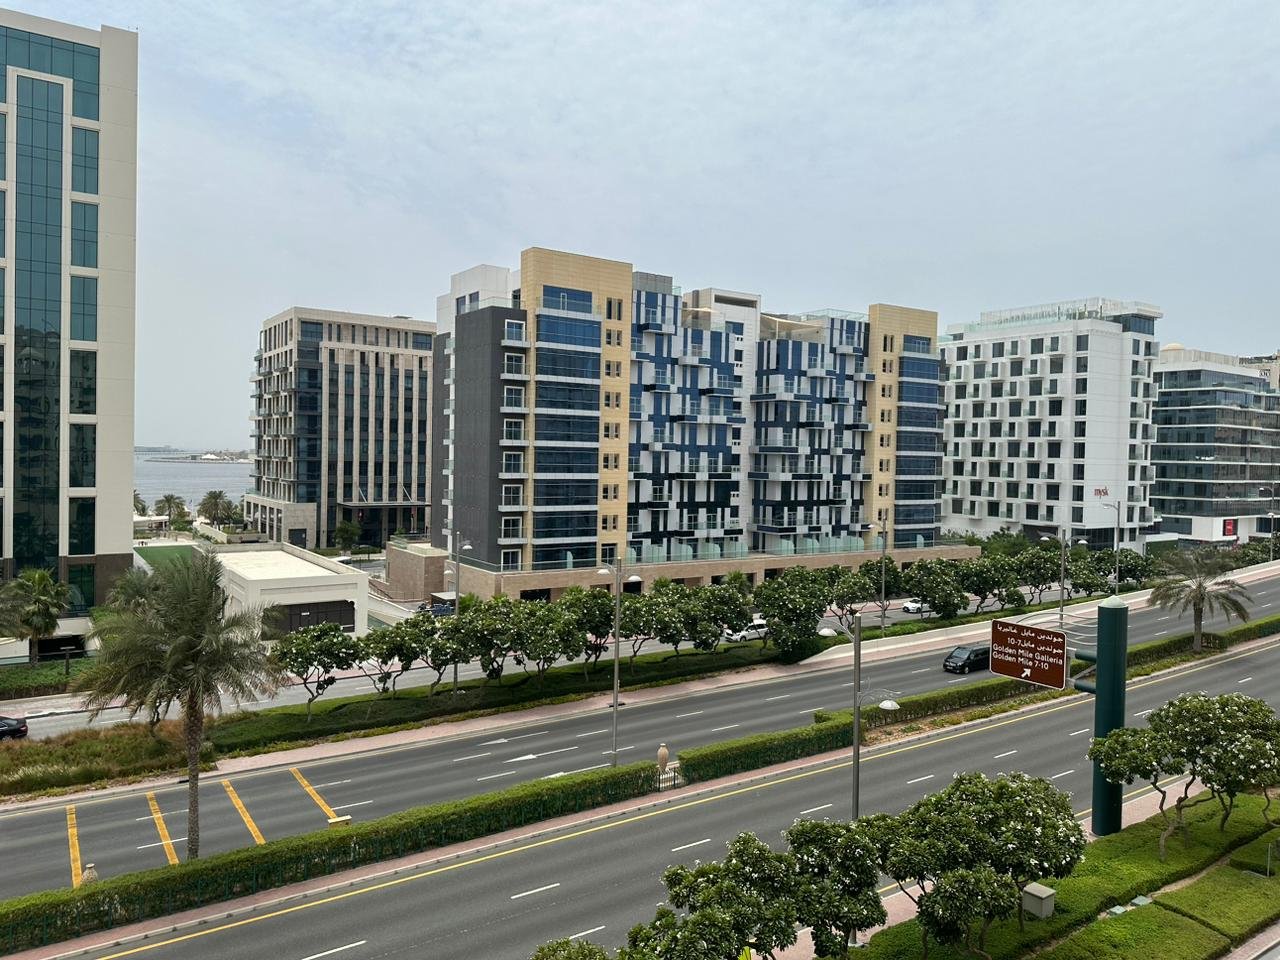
(1115, 869)
(158, 556)
(1143, 933)
(1234, 903)
(85, 756)
(251, 730)
(1253, 856)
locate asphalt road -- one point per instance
(597, 880)
(120, 832)
(69, 717)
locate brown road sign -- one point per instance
(1027, 653)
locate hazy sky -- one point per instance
(951, 155)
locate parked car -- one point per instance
(964, 659)
(758, 629)
(436, 609)
(14, 727)
(914, 605)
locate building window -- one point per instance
(513, 330)
(512, 527)
(80, 526)
(512, 495)
(84, 160)
(80, 581)
(512, 461)
(84, 450)
(84, 234)
(513, 396)
(510, 559)
(513, 363)
(84, 308)
(513, 430)
(84, 381)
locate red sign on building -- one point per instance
(1027, 653)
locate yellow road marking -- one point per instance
(311, 791)
(158, 818)
(611, 824)
(244, 814)
(73, 845)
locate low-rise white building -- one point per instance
(306, 588)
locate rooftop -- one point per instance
(273, 564)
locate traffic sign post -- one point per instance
(1030, 654)
(1108, 706)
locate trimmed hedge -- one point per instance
(1233, 903)
(43, 918)
(23, 680)
(765, 749)
(1253, 856)
(1140, 934)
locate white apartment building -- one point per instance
(68, 189)
(1049, 428)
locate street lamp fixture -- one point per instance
(1119, 513)
(1062, 575)
(886, 704)
(615, 570)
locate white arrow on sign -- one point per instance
(1026, 672)
(523, 736)
(535, 756)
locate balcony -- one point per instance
(654, 322)
(662, 382)
(720, 386)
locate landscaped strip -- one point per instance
(1231, 902)
(44, 918)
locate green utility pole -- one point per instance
(1112, 659)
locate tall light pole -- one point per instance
(884, 555)
(456, 545)
(605, 570)
(886, 704)
(1062, 576)
(1117, 508)
(1271, 516)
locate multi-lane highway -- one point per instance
(126, 831)
(598, 879)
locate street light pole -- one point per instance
(455, 548)
(1271, 518)
(884, 550)
(615, 568)
(1117, 508)
(857, 707)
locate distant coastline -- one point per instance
(198, 459)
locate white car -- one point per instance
(914, 605)
(758, 629)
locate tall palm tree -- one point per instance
(139, 505)
(182, 647)
(172, 506)
(132, 590)
(30, 606)
(215, 506)
(1193, 580)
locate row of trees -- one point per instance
(1229, 744)
(963, 855)
(215, 506)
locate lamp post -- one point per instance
(1117, 508)
(856, 637)
(615, 569)
(1062, 576)
(884, 551)
(456, 545)
(1271, 516)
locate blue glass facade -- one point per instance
(77, 62)
(917, 512)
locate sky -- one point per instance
(956, 156)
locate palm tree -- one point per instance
(1193, 580)
(139, 505)
(181, 646)
(132, 590)
(30, 606)
(215, 507)
(172, 506)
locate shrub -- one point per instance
(1253, 855)
(1235, 904)
(765, 749)
(20, 681)
(83, 756)
(43, 918)
(1141, 933)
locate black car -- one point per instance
(964, 659)
(12, 727)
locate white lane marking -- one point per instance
(529, 893)
(474, 756)
(587, 933)
(565, 773)
(170, 813)
(495, 776)
(816, 809)
(329, 953)
(338, 783)
(1076, 733)
(1162, 619)
(922, 670)
(1007, 753)
(1064, 773)
(147, 846)
(781, 696)
(920, 779)
(620, 749)
(535, 756)
(681, 716)
(1264, 605)
(849, 684)
(958, 680)
(523, 736)
(344, 806)
(686, 846)
(727, 727)
(592, 733)
(1143, 713)
(806, 710)
(1244, 680)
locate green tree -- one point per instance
(1039, 568)
(962, 897)
(1005, 543)
(545, 633)
(739, 581)
(216, 507)
(934, 582)
(704, 935)
(725, 607)
(182, 648)
(1084, 577)
(894, 580)
(345, 535)
(314, 654)
(793, 603)
(396, 650)
(139, 505)
(980, 577)
(132, 590)
(172, 506)
(569, 950)
(1195, 580)
(851, 593)
(30, 605)
(593, 609)
(1129, 754)
(837, 864)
